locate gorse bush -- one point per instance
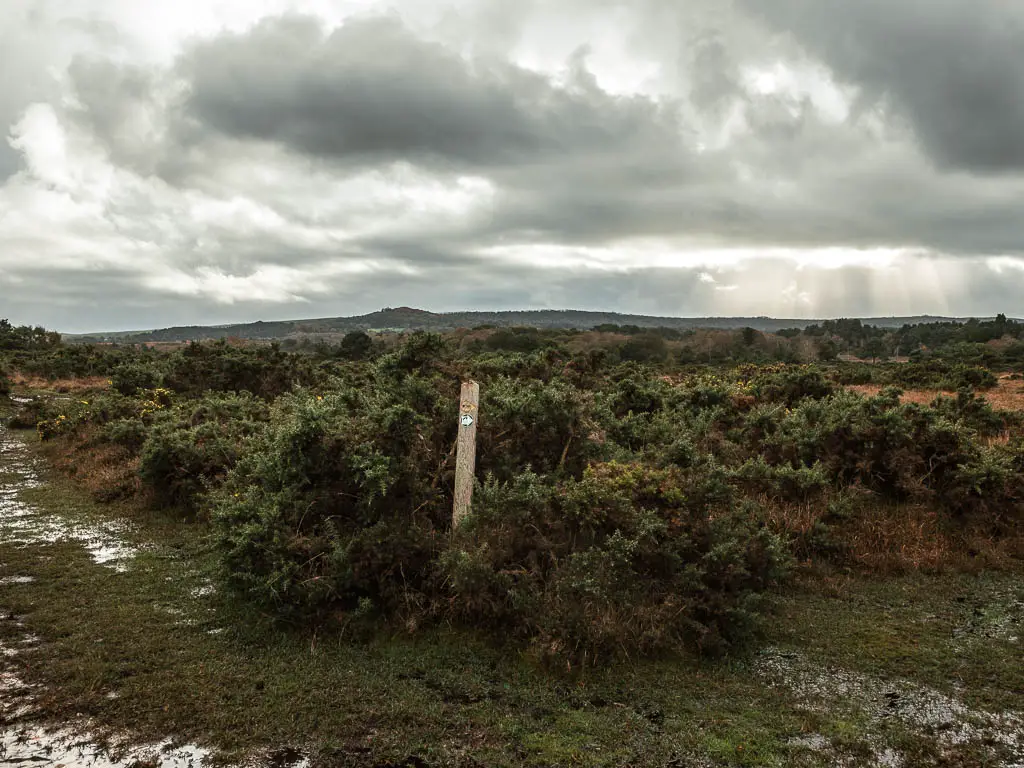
(345, 498)
(64, 362)
(532, 424)
(938, 374)
(340, 499)
(191, 447)
(130, 378)
(265, 371)
(973, 411)
(356, 345)
(900, 451)
(626, 557)
(622, 506)
(791, 385)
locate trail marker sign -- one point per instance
(465, 453)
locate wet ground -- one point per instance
(24, 524)
(883, 705)
(22, 742)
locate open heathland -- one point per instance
(705, 548)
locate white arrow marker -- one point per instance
(466, 420)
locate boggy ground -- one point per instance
(110, 624)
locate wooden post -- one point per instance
(465, 453)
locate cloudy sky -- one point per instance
(210, 161)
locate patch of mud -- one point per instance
(880, 757)
(944, 720)
(16, 696)
(22, 523)
(10, 649)
(30, 745)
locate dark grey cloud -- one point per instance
(372, 91)
(954, 69)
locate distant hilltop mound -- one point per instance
(398, 319)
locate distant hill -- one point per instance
(409, 319)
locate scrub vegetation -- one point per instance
(648, 513)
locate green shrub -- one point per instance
(990, 485)
(59, 417)
(515, 340)
(129, 434)
(847, 374)
(340, 498)
(791, 385)
(896, 450)
(28, 414)
(938, 373)
(783, 482)
(974, 411)
(421, 352)
(627, 558)
(531, 424)
(645, 348)
(190, 448)
(129, 378)
(543, 365)
(636, 390)
(265, 371)
(55, 427)
(356, 345)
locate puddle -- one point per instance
(22, 523)
(922, 710)
(39, 748)
(76, 747)
(30, 745)
(56, 749)
(26, 643)
(16, 580)
(23, 743)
